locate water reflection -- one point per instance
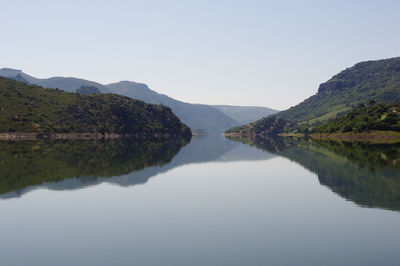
(365, 173)
(77, 163)
(61, 165)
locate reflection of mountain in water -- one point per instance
(25, 166)
(368, 174)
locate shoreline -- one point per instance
(373, 136)
(77, 136)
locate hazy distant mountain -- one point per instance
(199, 117)
(245, 114)
(196, 116)
(17, 74)
(69, 84)
(20, 78)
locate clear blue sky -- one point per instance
(267, 53)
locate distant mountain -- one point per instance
(68, 84)
(18, 75)
(200, 118)
(33, 109)
(20, 78)
(366, 81)
(197, 116)
(245, 114)
(88, 90)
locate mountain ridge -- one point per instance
(377, 80)
(33, 109)
(201, 118)
(367, 81)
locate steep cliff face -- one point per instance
(332, 86)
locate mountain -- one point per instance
(18, 75)
(87, 90)
(367, 81)
(68, 84)
(245, 114)
(200, 118)
(29, 108)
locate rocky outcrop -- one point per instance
(331, 86)
(88, 90)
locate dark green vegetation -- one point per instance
(372, 80)
(375, 116)
(31, 163)
(368, 174)
(29, 108)
(267, 126)
(67, 165)
(88, 90)
(199, 117)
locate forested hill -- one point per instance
(374, 116)
(28, 108)
(377, 81)
(371, 80)
(200, 118)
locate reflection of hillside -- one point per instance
(368, 174)
(217, 148)
(77, 164)
(32, 163)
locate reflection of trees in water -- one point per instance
(78, 164)
(24, 164)
(368, 174)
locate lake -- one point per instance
(213, 201)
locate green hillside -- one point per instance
(375, 116)
(372, 80)
(270, 125)
(29, 108)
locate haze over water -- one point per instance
(214, 201)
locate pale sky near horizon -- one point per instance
(264, 53)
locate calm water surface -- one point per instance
(214, 201)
